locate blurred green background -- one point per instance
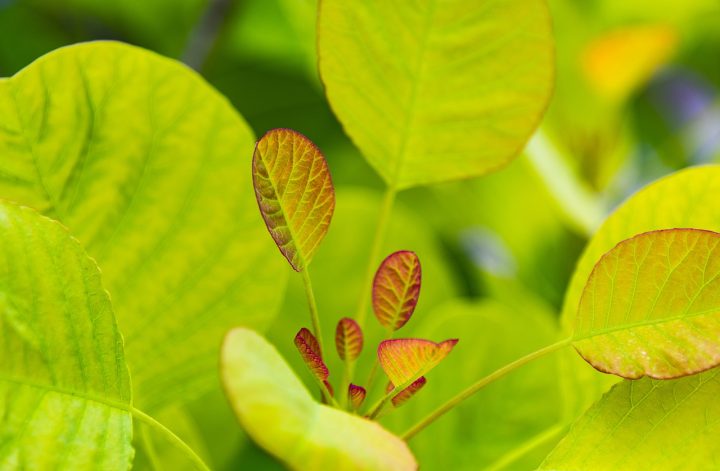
(636, 98)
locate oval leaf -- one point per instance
(646, 424)
(309, 349)
(139, 157)
(277, 411)
(433, 92)
(651, 306)
(405, 360)
(408, 392)
(396, 289)
(294, 192)
(348, 339)
(64, 384)
(356, 394)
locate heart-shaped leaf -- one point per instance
(64, 384)
(406, 360)
(646, 424)
(408, 392)
(396, 289)
(356, 394)
(142, 160)
(651, 306)
(432, 92)
(309, 349)
(294, 192)
(277, 411)
(348, 339)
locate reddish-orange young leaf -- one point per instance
(348, 339)
(294, 192)
(408, 392)
(356, 394)
(309, 349)
(396, 289)
(406, 360)
(329, 387)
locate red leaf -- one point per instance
(396, 289)
(357, 395)
(309, 349)
(348, 339)
(408, 392)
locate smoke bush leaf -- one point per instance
(408, 392)
(143, 161)
(348, 339)
(432, 92)
(396, 289)
(651, 306)
(277, 411)
(64, 384)
(406, 360)
(295, 193)
(357, 395)
(309, 349)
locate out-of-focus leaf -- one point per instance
(348, 339)
(687, 198)
(408, 392)
(396, 289)
(651, 305)
(294, 192)
(357, 395)
(433, 92)
(406, 360)
(142, 160)
(647, 424)
(277, 411)
(64, 384)
(309, 349)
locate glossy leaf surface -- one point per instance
(646, 424)
(652, 306)
(405, 360)
(431, 92)
(64, 384)
(396, 289)
(348, 339)
(277, 411)
(142, 160)
(294, 192)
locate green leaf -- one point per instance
(396, 289)
(687, 198)
(143, 161)
(431, 92)
(277, 411)
(348, 339)
(647, 424)
(64, 384)
(406, 360)
(651, 306)
(295, 193)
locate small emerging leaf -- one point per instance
(396, 289)
(348, 339)
(294, 192)
(408, 392)
(406, 360)
(651, 306)
(309, 349)
(357, 395)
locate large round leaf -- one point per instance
(150, 168)
(433, 91)
(64, 384)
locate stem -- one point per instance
(380, 230)
(314, 318)
(481, 383)
(524, 448)
(150, 449)
(174, 439)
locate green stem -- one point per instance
(481, 383)
(174, 439)
(150, 449)
(523, 449)
(314, 318)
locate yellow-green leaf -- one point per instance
(647, 424)
(294, 192)
(64, 384)
(687, 198)
(651, 306)
(406, 360)
(433, 91)
(143, 161)
(279, 414)
(396, 289)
